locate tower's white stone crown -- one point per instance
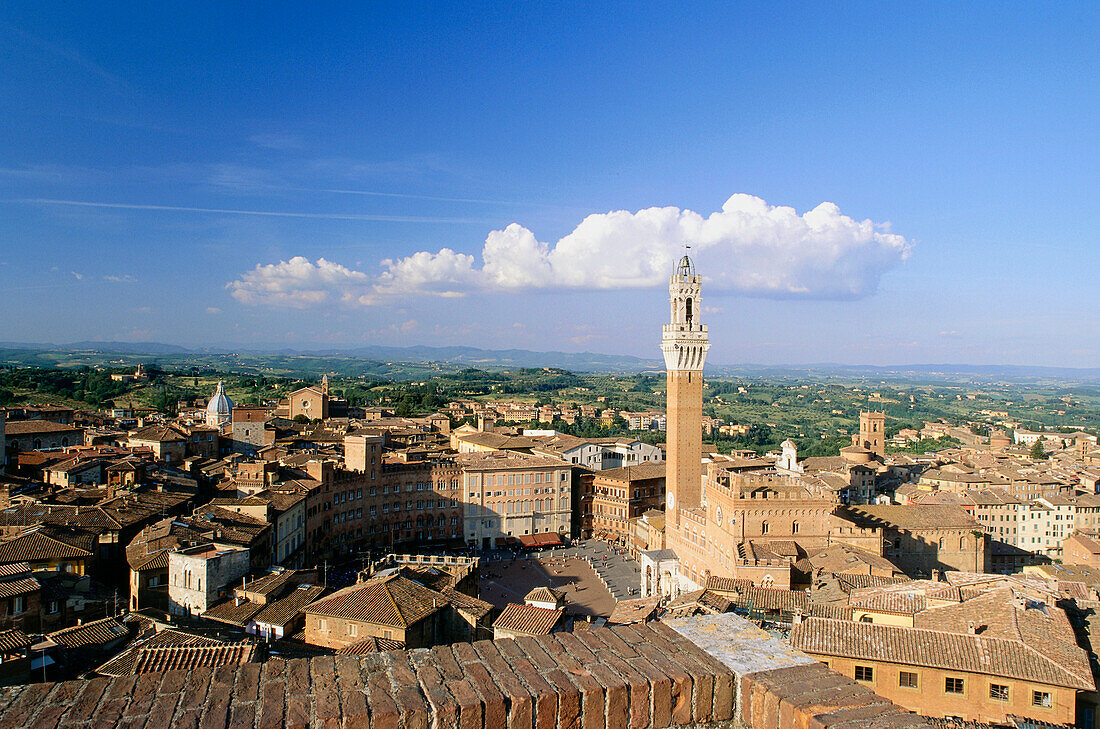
(684, 340)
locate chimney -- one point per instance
(970, 629)
(796, 618)
(936, 575)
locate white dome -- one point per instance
(219, 408)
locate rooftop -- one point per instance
(35, 427)
(391, 600)
(190, 657)
(937, 649)
(528, 619)
(698, 672)
(640, 472)
(504, 459)
(924, 516)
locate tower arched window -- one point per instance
(688, 311)
(764, 527)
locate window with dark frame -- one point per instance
(865, 673)
(907, 679)
(1041, 698)
(998, 692)
(953, 685)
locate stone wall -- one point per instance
(718, 671)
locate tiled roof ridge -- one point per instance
(393, 601)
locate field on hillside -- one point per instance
(817, 411)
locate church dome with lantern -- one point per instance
(220, 408)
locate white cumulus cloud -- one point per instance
(298, 283)
(747, 247)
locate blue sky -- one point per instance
(288, 175)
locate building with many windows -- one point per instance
(613, 498)
(508, 495)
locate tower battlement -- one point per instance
(684, 340)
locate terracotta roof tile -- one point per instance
(542, 594)
(171, 658)
(637, 610)
(44, 543)
(24, 586)
(463, 602)
(233, 612)
(123, 663)
(286, 608)
(393, 600)
(849, 582)
(528, 620)
(370, 645)
(14, 568)
(14, 640)
(34, 427)
(922, 516)
(94, 633)
(727, 584)
(936, 649)
(156, 561)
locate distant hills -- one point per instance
(459, 357)
(154, 348)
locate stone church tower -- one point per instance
(872, 432)
(684, 344)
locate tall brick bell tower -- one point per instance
(684, 344)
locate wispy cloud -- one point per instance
(231, 211)
(69, 55)
(410, 196)
(124, 278)
(278, 141)
(233, 178)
